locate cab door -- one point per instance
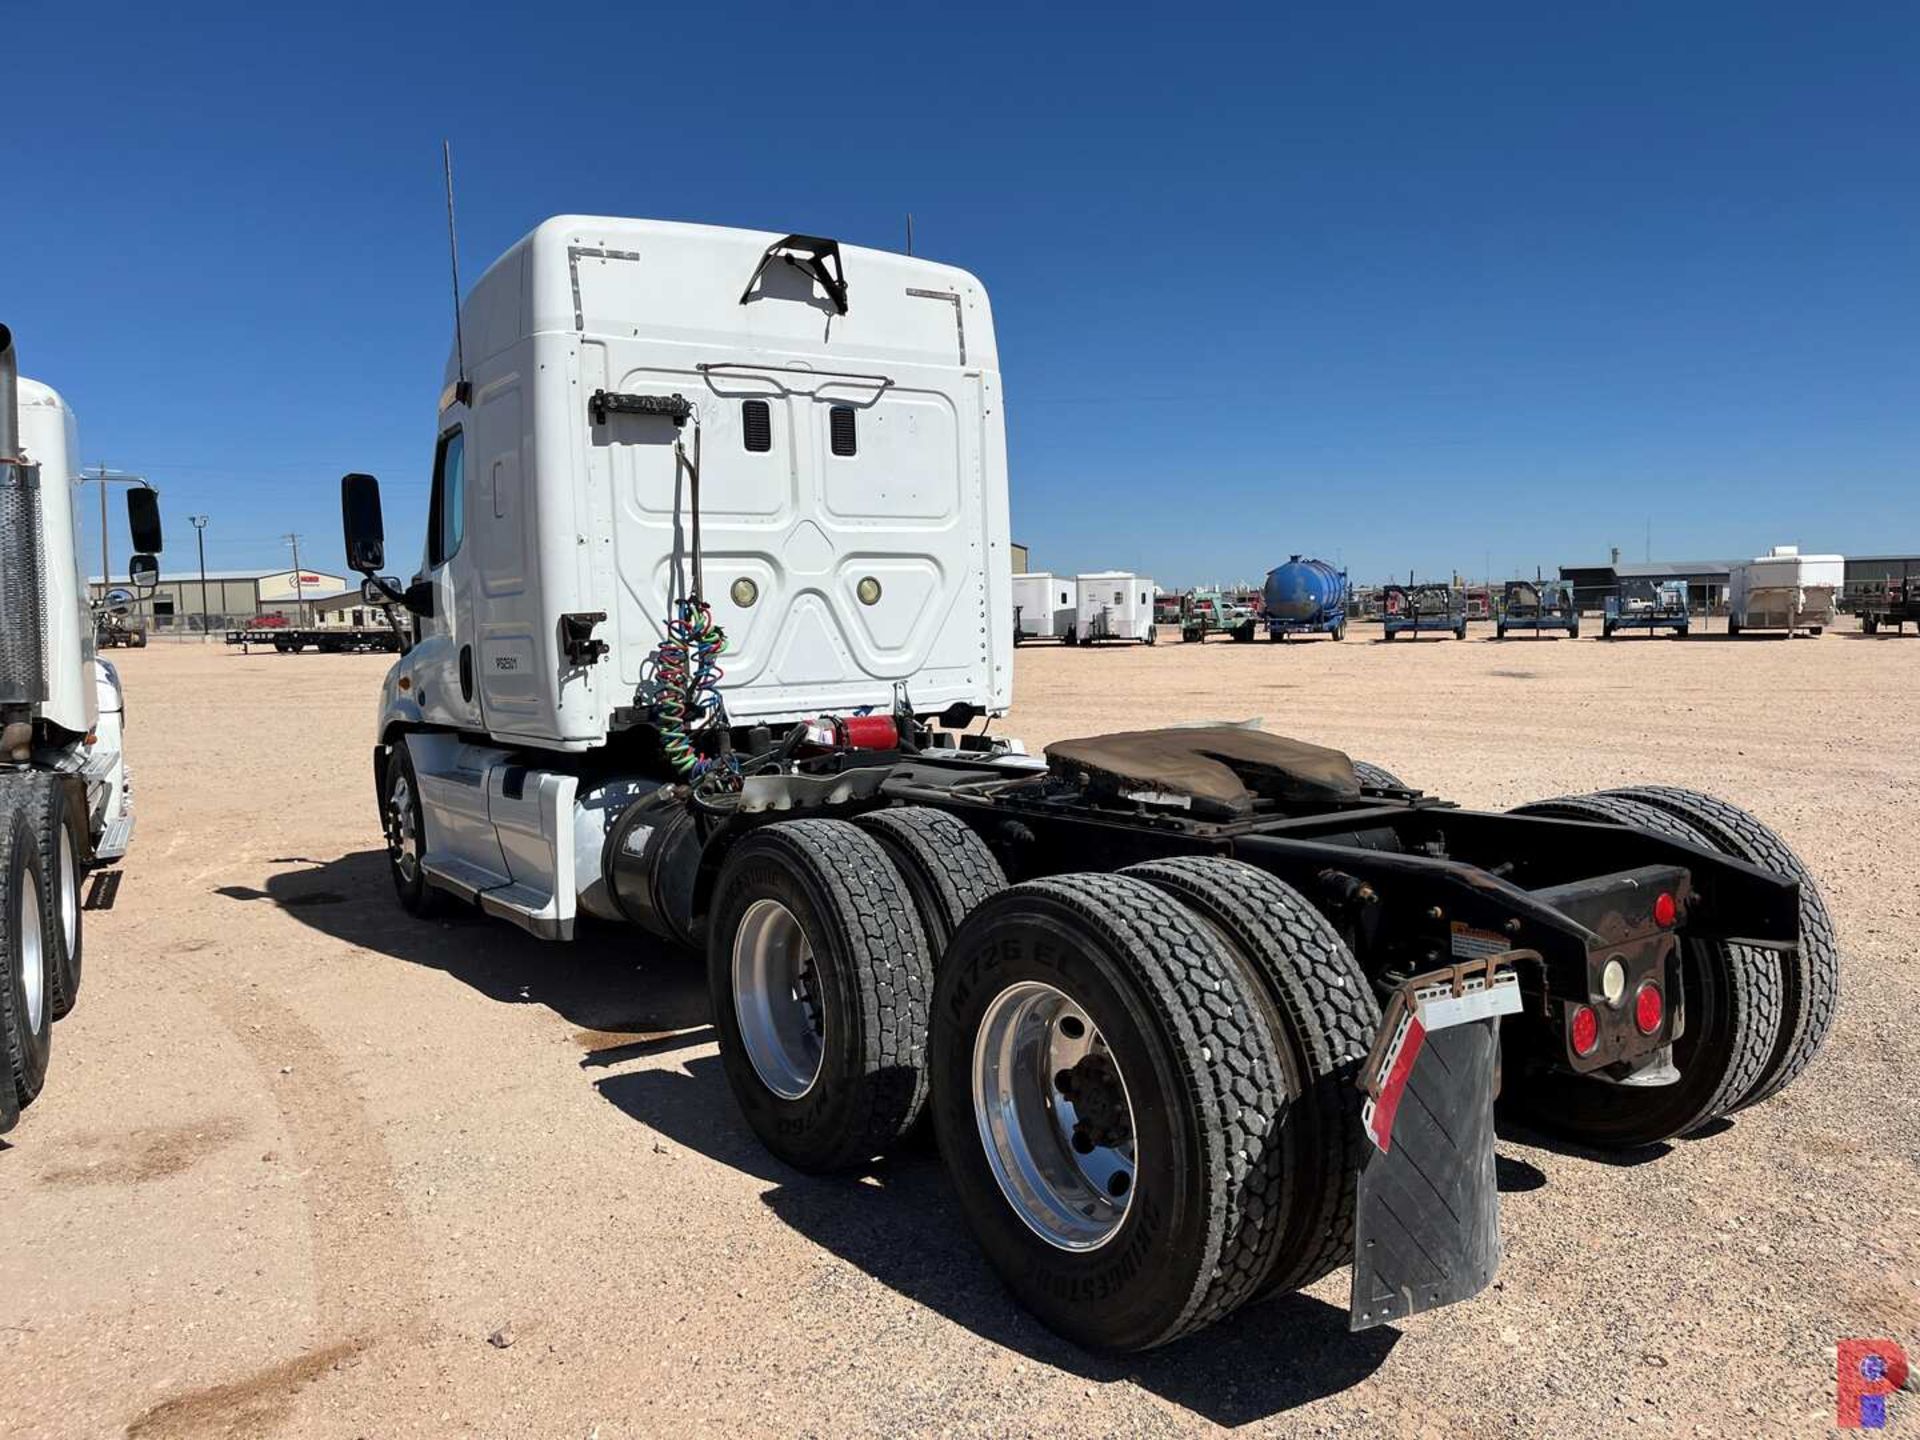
(443, 662)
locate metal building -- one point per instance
(1707, 581)
(231, 598)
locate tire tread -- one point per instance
(1329, 1016)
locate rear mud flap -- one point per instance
(1427, 1219)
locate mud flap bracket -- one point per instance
(1427, 1218)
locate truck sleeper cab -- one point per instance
(901, 915)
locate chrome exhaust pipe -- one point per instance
(9, 397)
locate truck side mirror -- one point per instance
(143, 519)
(360, 520)
(143, 570)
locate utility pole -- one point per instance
(200, 534)
(299, 592)
(106, 565)
(103, 477)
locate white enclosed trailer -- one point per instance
(1046, 606)
(1784, 590)
(1116, 605)
(65, 797)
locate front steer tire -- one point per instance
(947, 867)
(1731, 997)
(1154, 992)
(1811, 976)
(1321, 1009)
(403, 822)
(861, 990)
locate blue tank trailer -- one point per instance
(1647, 605)
(1306, 597)
(1414, 608)
(1537, 605)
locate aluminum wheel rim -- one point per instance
(33, 959)
(776, 999)
(1066, 1185)
(403, 836)
(69, 893)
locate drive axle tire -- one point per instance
(26, 1001)
(59, 830)
(1321, 1008)
(947, 867)
(1810, 991)
(1377, 776)
(1105, 1094)
(403, 820)
(1730, 995)
(820, 978)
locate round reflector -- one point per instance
(1665, 912)
(1586, 1031)
(1648, 1008)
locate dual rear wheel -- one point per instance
(1141, 1083)
(1754, 1019)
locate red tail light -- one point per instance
(1586, 1031)
(1665, 912)
(1649, 1008)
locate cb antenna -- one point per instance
(462, 390)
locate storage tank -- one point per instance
(1304, 589)
(1306, 597)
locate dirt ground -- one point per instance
(303, 1163)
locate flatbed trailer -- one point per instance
(1894, 604)
(328, 639)
(1645, 605)
(1535, 606)
(1416, 609)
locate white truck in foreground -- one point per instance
(716, 585)
(66, 801)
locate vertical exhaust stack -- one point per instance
(9, 397)
(23, 620)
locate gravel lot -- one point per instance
(308, 1167)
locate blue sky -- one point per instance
(1411, 286)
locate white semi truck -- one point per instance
(66, 801)
(716, 588)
